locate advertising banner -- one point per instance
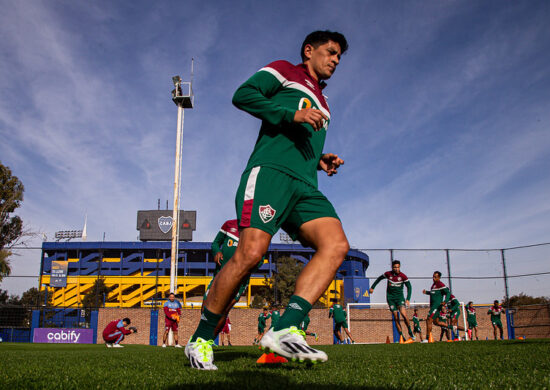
(65, 336)
(59, 273)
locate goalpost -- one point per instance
(372, 322)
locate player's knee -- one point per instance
(248, 257)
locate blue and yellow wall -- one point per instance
(138, 273)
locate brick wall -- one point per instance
(367, 325)
(140, 318)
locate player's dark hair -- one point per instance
(496, 301)
(171, 294)
(318, 38)
(438, 273)
(127, 320)
(470, 303)
(395, 262)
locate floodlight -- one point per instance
(176, 80)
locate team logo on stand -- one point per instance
(266, 213)
(165, 224)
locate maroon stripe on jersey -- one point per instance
(246, 213)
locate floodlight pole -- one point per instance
(182, 96)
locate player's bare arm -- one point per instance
(330, 163)
(218, 258)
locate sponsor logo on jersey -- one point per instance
(165, 224)
(304, 103)
(266, 213)
(309, 84)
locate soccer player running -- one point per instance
(438, 296)
(172, 313)
(454, 314)
(262, 319)
(416, 324)
(472, 320)
(340, 321)
(394, 296)
(495, 311)
(279, 189)
(115, 331)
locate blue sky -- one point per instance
(441, 111)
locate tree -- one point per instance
(279, 288)
(522, 299)
(11, 227)
(33, 297)
(94, 297)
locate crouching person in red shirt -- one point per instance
(115, 331)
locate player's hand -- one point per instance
(311, 116)
(371, 290)
(407, 303)
(218, 258)
(330, 163)
(423, 291)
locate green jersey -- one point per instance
(438, 294)
(495, 313)
(416, 321)
(274, 94)
(262, 318)
(453, 304)
(396, 282)
(226, 242)
(338, 312)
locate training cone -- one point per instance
(270, 358)
(401, 341)
(409, 341)
(430, 339)
(388, 340)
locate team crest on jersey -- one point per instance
(399, 278)
(304, 103)
(266, 213)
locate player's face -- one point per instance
(396, 268)
(171, 298)
(323, 60)
(436, 277)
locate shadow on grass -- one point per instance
(228, 355)
(264, 380)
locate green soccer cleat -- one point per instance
(291, 343)
(200, 354)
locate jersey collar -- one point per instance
(321, 83)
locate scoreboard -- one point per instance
(156, 225)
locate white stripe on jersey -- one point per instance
(251, 184)
(295, 85)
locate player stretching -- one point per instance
(262, 318)
(394, 296)
(172, 313)
(495, 311)
(279, 189)
(438, 296)
(472, 320)
(454, 315)
(115, 331)
(340, 321)
(304, 325)
(416, 322)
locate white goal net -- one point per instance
(373, 323)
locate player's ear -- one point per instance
(308, 50)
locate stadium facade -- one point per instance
(137, 274)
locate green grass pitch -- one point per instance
(464, 365)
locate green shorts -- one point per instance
(242, 289)
(454, 315)
(472, 324)
(497, 323)
(340, 325)
(434, 310)
(261, 329)
(395, 302)
(417, 329)
(268, 199)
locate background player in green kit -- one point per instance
(262, 319)
(340, 321)
(472, 320)
(275, 316)
(416, 324)
(278, 189)
(439, 294)
(454, 314)
(394, 295)
(443, 322)
(495, 311)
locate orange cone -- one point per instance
(388, 340)
(270, 358)
(401, 341)
(409, 341)
(430, 338)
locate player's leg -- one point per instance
(349, 334)
(429, 322)
(395, 315)
(501, 331)
(475, 330)
(403, 312)
(165, 335)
